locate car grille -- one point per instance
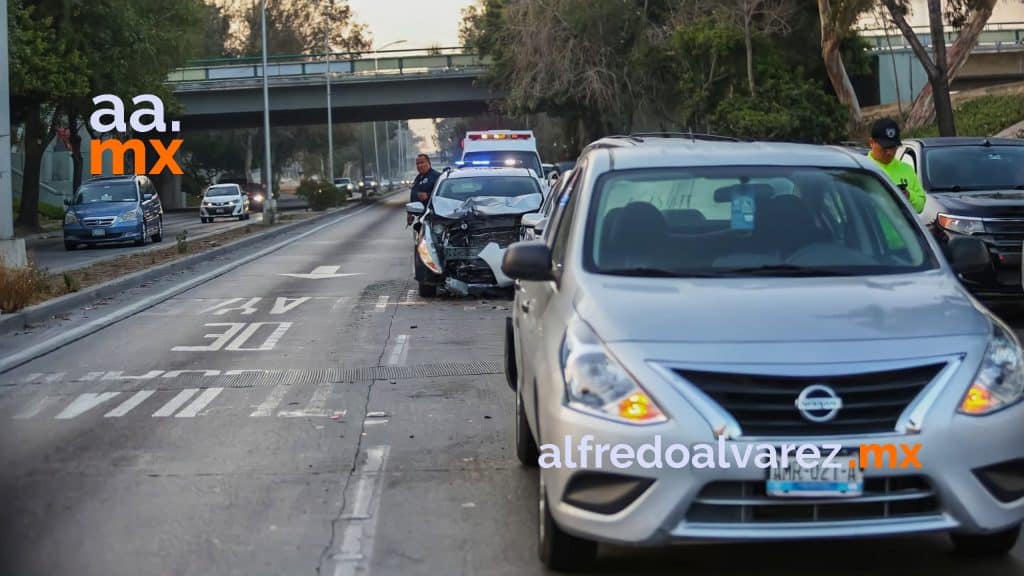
(479, 237)
(102, 222)
(765, 405)
(746, 502)
(472, 272)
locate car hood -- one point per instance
(736, 310)
(101, 209)
(487, 206)
(990, 203)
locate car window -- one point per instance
(229, 190)
(107, 192)
(975, 167)
(909, 158)
(561, 238)
(724, 220)
(493, 186)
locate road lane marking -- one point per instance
(220, 339)
(193, 409)
(339, 303)
(266, 408)
(382, 302)
(205, 373)
(175, 403)
(84, 403)
(410, 296)
(118, 375)
(247, 308)
(314, 408)
(91, 376)
(270, 342)
(399, 351)
(129, 404)
(321, 272)
(35, 408)
(361, 521)
(283, 305)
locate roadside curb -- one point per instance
(69, 302)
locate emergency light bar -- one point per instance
(498, 136)
(507, 162)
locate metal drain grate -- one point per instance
(444, 369)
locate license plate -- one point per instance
(795, 481)
(99, 232)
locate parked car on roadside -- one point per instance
(113, 209)
(467, 223)
(975, 187)
(224, 201)
(757, 294)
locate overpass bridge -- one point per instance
(392, 85)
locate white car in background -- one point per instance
(224, 201)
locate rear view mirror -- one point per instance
(534, 220)
(415, 208)
(968, 256)
(529, 260)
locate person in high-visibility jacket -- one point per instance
(885, 140)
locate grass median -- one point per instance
(28, 286)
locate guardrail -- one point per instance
(344, 64)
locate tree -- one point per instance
(756, 17)
(837, 19)
(970, 17)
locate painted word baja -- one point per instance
(143, 119)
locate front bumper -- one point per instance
(724, 503)
(119, 232)
(1004, 280)
(221, 211)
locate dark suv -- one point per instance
(975, 187)
(256, 192)
(114, 209)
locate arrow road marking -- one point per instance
(323, 272)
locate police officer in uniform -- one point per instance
(424, 183)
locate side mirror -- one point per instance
(67, 202)
(415, 208)
(147, 197)
(968, 256)
(530, 260)
(534, 220)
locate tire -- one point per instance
(241, 217)
(159, 236)
(142, 241)
(70, 246)
(985, 545)
(427, 290)
(205, 220)
(526, 445)
(558, 550)
(248, 215)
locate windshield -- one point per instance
(975, 167)
(463, 189)
(738, 221)
(517, 159)
(342, 181)
(222, 191)
(107, 192)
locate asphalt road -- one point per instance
(340, 425)
(49, 252)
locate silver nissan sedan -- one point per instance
(694, 303)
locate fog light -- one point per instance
(604, 493)
(1004, 480)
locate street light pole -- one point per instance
(12, 250)
(327, 75)
(271, 211)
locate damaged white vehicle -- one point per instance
(471, 218)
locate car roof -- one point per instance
(482, 172)
(687, 153)
(123, 177)
(223, 185)
(940, 142)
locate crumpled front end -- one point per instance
(472, 251)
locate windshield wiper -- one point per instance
(782, 270)
(641, 271)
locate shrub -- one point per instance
(985, 116)
(320, 195)
(19, 287)
(71, 283)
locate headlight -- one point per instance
(961, 224)
(258, 197)
(129, 216)
(70, 218)
(426, 256)
(1000, 380)
(595, 383)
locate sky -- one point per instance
(421, 23)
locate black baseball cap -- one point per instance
(886, 132)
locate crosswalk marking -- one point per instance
(399, 350)
(266, 408)
(35, 408)
(177, 402)
(193, 409)
(129, 404)
(84, 403)
(315, 407)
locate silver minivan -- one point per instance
(730, 296)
